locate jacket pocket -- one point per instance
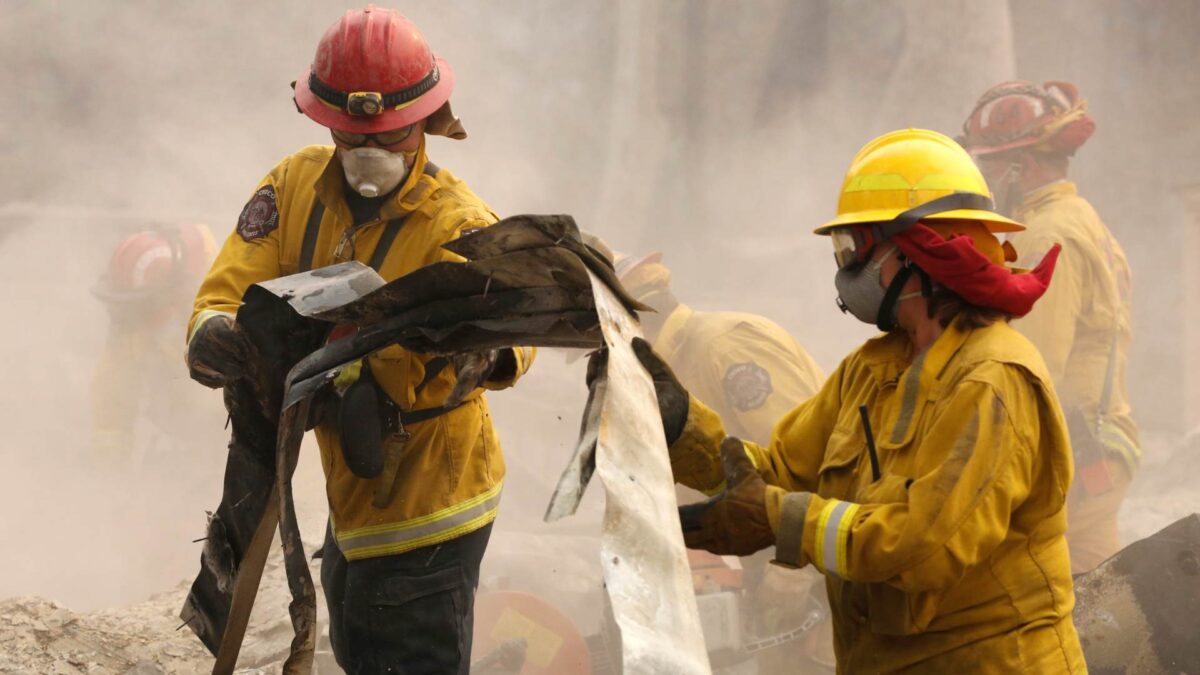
(836, 477)
(401, 590)
(891, 611)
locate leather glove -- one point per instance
(471, 370)
(672, 397)
(734, 522)
(218, 352)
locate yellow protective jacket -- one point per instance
(1084, 320)
(452, 469)
(748, 367)
(954, 560)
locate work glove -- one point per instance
(471, 370)
(672, 397)
(218, 352)
(734, 522)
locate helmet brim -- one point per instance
(335, 118)
(994, 221)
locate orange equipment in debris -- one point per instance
(553, 644)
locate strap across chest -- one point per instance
(312, 229)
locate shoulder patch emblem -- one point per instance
(260, 216)
(747, 385)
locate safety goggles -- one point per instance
(854, 243)
(851, 245)
(382, 138)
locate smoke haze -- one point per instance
(713, 130)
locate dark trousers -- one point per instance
(409, 613)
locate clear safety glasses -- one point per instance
(382, 138)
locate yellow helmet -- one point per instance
(906, 169)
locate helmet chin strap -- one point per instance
(887, 319)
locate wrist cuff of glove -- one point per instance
(788, 524)
(205, 316)
(696, 454)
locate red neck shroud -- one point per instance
(958, 265)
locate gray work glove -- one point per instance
(672, 397)
(218, 352)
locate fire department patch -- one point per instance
(747, 385)
(260, 216)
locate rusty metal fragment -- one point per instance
(1139, 612)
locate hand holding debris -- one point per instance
(672, 397)
(734, 522)
(218, 352)
(472, 370)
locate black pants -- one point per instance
(409, 613)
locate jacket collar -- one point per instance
(890, 356)
(1049, 192)
(413, 191)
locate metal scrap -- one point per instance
(1139, 612)
(525, 281)
(642, 553)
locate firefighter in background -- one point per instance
(754, 372)
(1023, 136)
(928, 478)
(402, 552)
(138, 384)
(752, 369)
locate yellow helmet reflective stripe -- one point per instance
(905, 169)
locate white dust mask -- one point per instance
(373, 171)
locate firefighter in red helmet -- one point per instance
(147, 285)
(1023, 136)
(400, 566)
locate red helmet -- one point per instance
(373, 72)
(1051, 117)
(157, 261)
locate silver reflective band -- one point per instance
(436, 527)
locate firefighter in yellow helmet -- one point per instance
(928, 477)
(1023, 135)
(399, 573)
(136, 395)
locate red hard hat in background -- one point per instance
(373, 72)
(1050, 117)
(155, 262)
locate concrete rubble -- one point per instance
(41, 637)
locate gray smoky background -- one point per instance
(716, 131)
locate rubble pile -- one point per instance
(41, 637)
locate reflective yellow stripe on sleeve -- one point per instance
(833, 536)
(1116, 442)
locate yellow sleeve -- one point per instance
(250, 254)
(790, 461)
(958, 509)
(1051, 324)
(761, 378)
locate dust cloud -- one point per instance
(716, 131)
